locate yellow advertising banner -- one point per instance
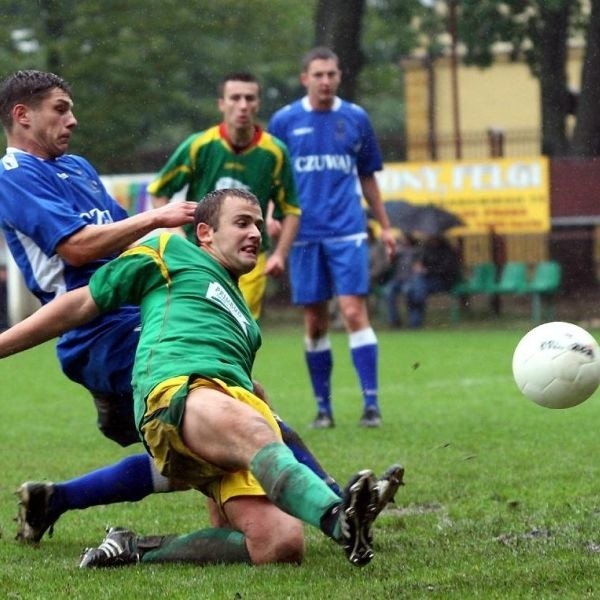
(506, 195)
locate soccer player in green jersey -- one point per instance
(237, 153)
(194, 403)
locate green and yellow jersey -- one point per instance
(207, 161)
(187, 301)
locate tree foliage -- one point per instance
(144, 73)
(586, 137)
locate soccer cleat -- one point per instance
(323, 420)
(370, 418)
(117, 549)
(387, 486)
(34, 516)
(356, 515)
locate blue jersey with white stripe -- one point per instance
(329, 150)
(43, 202)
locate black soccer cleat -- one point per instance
(371, 418)
(356, 515)
(34, 515)
(323, 420)
(117, 549)
(387, 486)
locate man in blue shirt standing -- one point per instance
(335, 156)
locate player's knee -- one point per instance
(355, 315)
(290, 550)
(258, 434)
(115, 418)
(277, 546)
(119, 434)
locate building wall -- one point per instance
(505, 96)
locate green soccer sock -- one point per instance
(206, 546)
(294, 488)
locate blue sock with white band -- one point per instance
(364, 351)
(319, 360)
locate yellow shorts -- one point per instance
(253, 285)
(160, 429)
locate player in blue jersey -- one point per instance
(335, 156)
(61, 225)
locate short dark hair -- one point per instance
(319, 53)
(209, 208)
(244, 76)
(27, 87)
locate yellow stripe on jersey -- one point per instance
(166, 178)
(210, 135)
(156, 256)
(266, 142)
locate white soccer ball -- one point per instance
(557, 365)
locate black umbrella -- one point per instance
(426, 218)
(401, 214)
(433, 220)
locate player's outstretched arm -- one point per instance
(53, 319)
(98, 241)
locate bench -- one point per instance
(513, 279)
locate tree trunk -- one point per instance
(554, 94)
(338, 25)
(586, 137)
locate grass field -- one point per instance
(501, 497)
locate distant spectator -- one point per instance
(401, 272)
(380, 266)
(436, 269)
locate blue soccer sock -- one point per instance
(129, 480)
(364, 350)
(319, 360)
(303, 455)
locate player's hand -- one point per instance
(275, 265)
(175, 214)
(273, 228)
(390, 242)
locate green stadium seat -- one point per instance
(543, 285)
(481, 281)
(513, 279)
(545, 282)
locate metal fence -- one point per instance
(492, 143)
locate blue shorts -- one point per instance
(327, 268)
(103, 360)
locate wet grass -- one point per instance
(501, 496)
